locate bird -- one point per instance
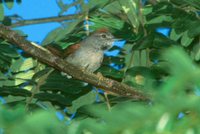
(89, 53)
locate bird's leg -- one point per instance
(107, 101)
(100, 76)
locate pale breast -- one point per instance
(89, 60)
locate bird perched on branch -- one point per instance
(88, 54)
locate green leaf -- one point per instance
(110, 22)
(94, 5)
(144, 43)
(161, 41)
(174, 36)
(44, 122)
(179, 25)
(147, 10)
(194, 29)
(53, 36)
(154, 40)
(23, 65)
(160, 70)
(155, 55)
(16, 64)
(8, 51)
(160, 9)
(14, 100)
(179, 62)
(4, 65)
(9, 3)
(1, 12)
(25, 75)
(7, 21)
(2, 76)
(42, 73)
(5, 91)
(186, 40)
(113, 59)
(10, 116)
(139, 70)
(160, 19)
(184, 61)
(4, 62)
(130, 8)
(68, 86)
(113, 8)
(193, 3)
(54, 98)
(197, 56)
(5, 58)
(110, 72)
(60, 33)
(86, 99)
(13, 82)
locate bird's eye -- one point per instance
(103, 36)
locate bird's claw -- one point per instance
(100, 77)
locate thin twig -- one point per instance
(46, 20)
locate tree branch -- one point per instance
(46, 20)
(45, 56)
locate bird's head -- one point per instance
(101, 39)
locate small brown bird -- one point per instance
(88, 54)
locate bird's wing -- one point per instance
(63, 54)
(71, 49)
(54, 50)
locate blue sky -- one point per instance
(31, 9)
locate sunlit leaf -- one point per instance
(23, 65)
(25, 75)
(130, 8)
(14, 82)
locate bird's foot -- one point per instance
(100, 77)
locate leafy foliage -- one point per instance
(46, 122)
(163, 65)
